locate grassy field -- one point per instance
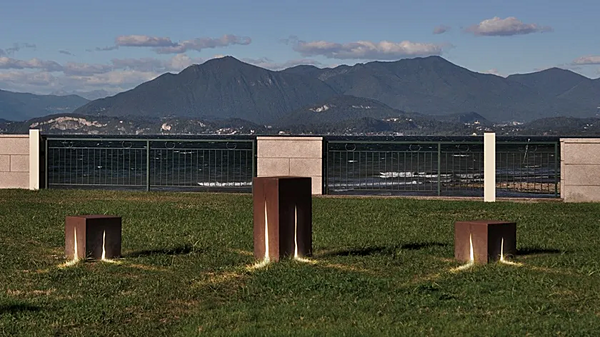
(381, 266)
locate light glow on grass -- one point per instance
(266, 258)
(75, 253)
(471, 262)
(295, 232)
(296, 256)
(103, 245)
(503, 260)
(103, 258)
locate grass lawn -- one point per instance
(382, 266)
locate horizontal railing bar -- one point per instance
(153, 140)
(118, 185)
(143, 148)
(401, 142)
(440, 142)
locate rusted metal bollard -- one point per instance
(92, 236)
(282, 217)
(483, 241)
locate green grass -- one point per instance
(382, 268)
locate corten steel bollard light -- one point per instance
(92, 236)
(282, 217)
(483, 241)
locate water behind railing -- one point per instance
(448, 166)
(214, 164)
(445, 166)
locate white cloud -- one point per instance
(45, 82)
(585, 60)
(182, 61)
(24, 81)
(164, 45)
(11, 63)
(104, 48)
(143, 41)
(367, 50)
(204, 43)
(115, 78)
(441, 29)
(505, 27)
(176, 63)
(121, 74)
(85, 69)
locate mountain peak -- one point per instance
(225, 60)
(221, 66)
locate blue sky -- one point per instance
(70, 46)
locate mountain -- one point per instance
(89, 95)
(562, 126)
(462, 118)
(433, 85)
(339, 108)
(565, 85)
(553, 81)
(228, 88)
(16, 106)
(217, 89)
(103, 125)
(586, 92)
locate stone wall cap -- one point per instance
(13, 136)
(581, 140)
(289, 138)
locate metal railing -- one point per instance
(442, 167)
(211, 164)
(401, 166)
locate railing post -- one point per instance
(439, 169)
(254, 159)
(46, 174)
(489, 167)
(34, 159)
(556, 173)
(324, 168)
(147, 165)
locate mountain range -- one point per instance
(429, 88)
(218, 89)
(228, 88)
(15, 106)
(435, 86)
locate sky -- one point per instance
(67, 46)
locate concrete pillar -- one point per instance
(580, 169)
(34, 159)
(489, 167)
(291, 156)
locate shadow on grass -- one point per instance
(422, 245)
(179, 250)
(538, 251)
(15, 308)
(365, 251)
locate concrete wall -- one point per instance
(14, 161)
(291, 156)
(580, 169)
